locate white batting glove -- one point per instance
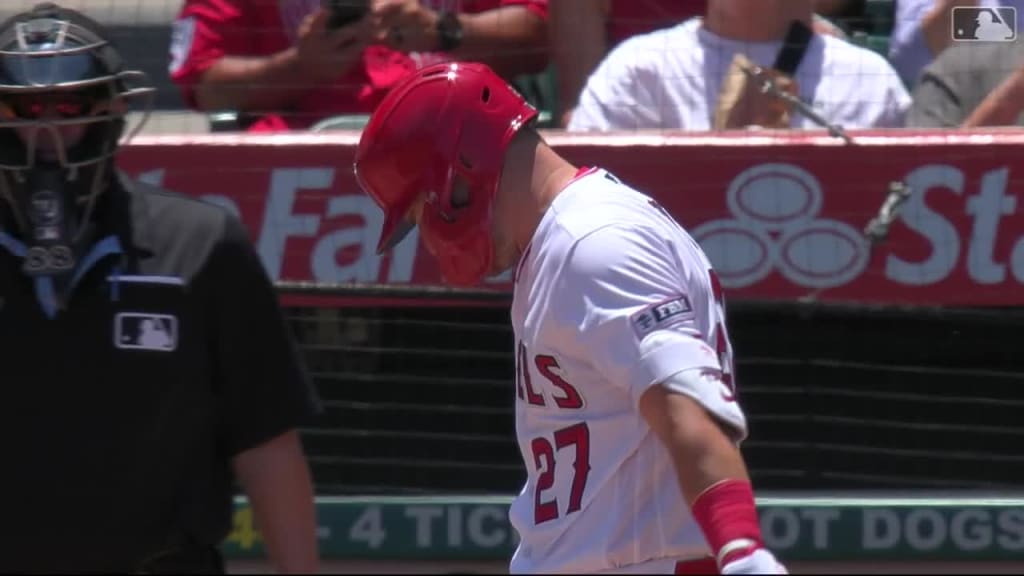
(760, 561)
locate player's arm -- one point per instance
(640, 309)
(712, 474)
(265, 395)
(702, 447)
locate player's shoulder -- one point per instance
(599, 224)
(165, 220)
(599, 200)
(609, 249)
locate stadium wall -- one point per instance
(782, 215)
(811, 533)
(876, 346)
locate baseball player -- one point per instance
(147, 367)
(626, 410)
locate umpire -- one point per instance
(146, 366)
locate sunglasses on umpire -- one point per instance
(54, 105)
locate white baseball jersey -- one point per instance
(611, 298)
(670, 80)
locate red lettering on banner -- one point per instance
(780, 216)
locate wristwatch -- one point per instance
(449, 31)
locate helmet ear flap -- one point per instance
(444, 130)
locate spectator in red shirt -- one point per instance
(584, 31)
(277, 61)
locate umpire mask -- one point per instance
(64, 99)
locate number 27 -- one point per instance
(578, 436)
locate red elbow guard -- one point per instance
(727, 516)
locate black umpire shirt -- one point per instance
(121, 413)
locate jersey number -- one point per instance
(544, 459)
(43, 260)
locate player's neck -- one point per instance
(534, 176)
(755, 21)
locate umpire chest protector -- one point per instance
(112, 400)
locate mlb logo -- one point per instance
(972, 24)
(155, 332)
(643, 321)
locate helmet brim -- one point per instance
(394, 232)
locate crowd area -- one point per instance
(603, 65)
(588, 65)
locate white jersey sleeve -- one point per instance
(647, 310)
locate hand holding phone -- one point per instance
(322, 54)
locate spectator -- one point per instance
(584, 31)
(581, 36)
(277, 61)
(672, 79)
(922, 29)
(971, 85)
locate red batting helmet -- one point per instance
(445, 125)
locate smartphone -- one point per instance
(344, 12)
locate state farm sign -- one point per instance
(777, 223)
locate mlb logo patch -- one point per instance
(976, 24)
(138, 331)
(662, 315)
